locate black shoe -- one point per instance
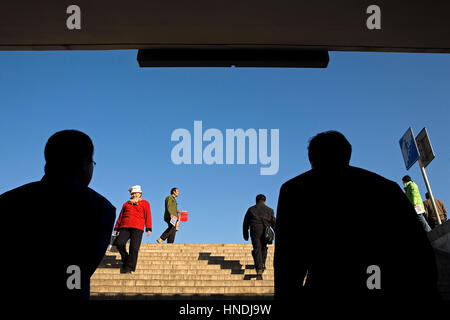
(259, 274)
(125, 270)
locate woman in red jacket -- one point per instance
(134, 216)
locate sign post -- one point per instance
(427, 183)
(409, 148)
(426, 156)
(419, 149)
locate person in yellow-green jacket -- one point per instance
(170, 217)
(413, 194)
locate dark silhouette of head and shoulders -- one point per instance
(345, 232)
(260, 210)
(57, 222)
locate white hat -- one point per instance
(136, 188)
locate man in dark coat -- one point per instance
(257, 218)
(346, 233)
(67, 225)
(430, 214)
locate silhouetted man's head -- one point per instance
(260, 198)
(68, 154)
(427, 195)
(329, 149)
(406, 179)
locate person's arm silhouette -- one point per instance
(289, 270)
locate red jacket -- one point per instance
(135, 216)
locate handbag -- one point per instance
(112, 245)
(268, 233)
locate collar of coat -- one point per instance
(408, 183)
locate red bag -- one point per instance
(183, 215)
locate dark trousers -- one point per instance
(259, 252)
(169, 233)
(129, 260)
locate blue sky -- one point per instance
(130, 114)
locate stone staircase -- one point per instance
(185, 271)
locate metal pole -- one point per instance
(427, 183)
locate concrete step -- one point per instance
(188, 255)
(209, 269)
(174, 262)
(167, 276)
(182, 290)
(183, 283)
(142, 271)
(192, 251)
(198, 247)
(201, 256)
(112, 261)
(180, 267)
(184, 296)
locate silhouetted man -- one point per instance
(67, 226)
(351, 232)
(257, 218)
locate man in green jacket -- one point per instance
(413, 194)
(170, 217)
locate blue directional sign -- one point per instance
(409, 148)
